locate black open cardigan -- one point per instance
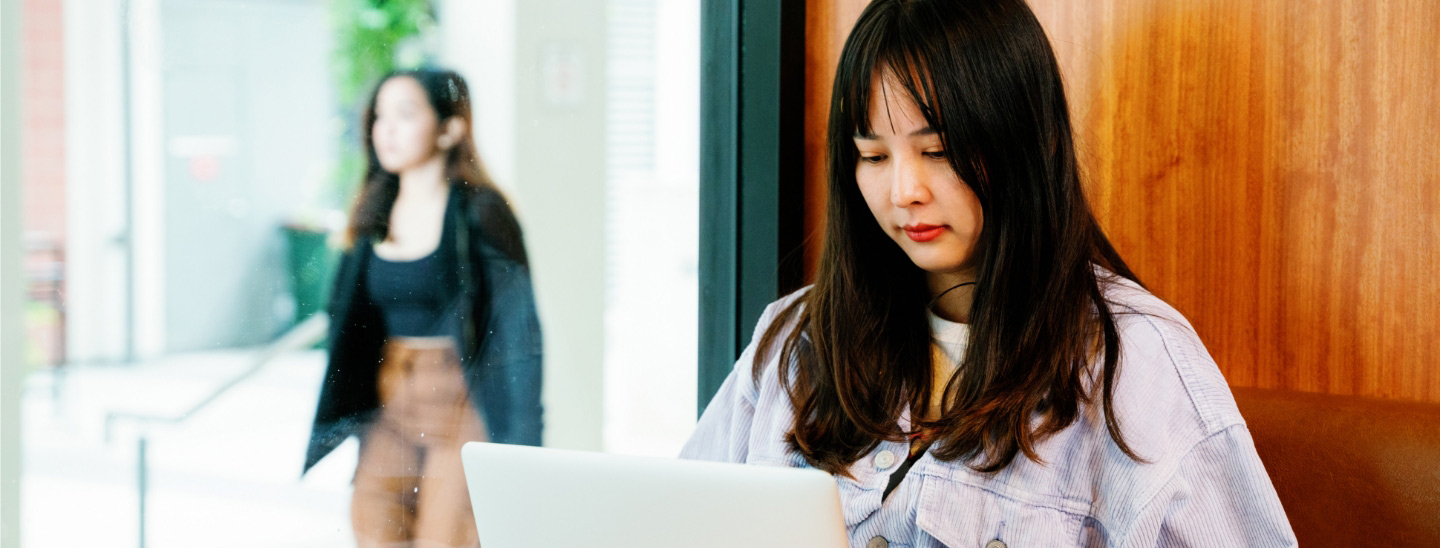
(498, 335)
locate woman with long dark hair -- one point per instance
(434, 339)
(975, 363)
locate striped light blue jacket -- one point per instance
(1202, 483)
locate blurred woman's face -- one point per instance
(910, 188)
(406, 129)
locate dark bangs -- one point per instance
(913, 48)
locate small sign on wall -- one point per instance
(562, 75)
(203, 153)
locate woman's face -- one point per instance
(406, 129)
(912, 191)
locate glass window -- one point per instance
(191, 169)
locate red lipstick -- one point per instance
(923, 232)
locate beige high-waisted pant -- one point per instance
(409, 486)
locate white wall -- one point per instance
(147, 168)
(560, 192)
(95, 274)
(536, 70)
(478, 41)
(11, 287)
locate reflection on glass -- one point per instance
(434, 289)
(191, 171)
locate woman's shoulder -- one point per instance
(749, 416)
(1168, 386)
(786, 309)
(1171, 403)
(755, 382)
(779, 310)
(774, 309)
(487, 213)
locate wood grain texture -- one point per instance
(827, 23)
(1268, 167)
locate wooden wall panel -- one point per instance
(1268, 167)
(827, 23)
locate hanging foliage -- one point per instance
(373, 37)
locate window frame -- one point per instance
(752, 159)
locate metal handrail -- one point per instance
(304, 334)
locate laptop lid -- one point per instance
(535, 497)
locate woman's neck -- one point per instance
(424, 181)
(952, 293)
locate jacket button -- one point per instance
(878, 542)
(995, 544)
(884, 459)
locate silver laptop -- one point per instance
(534, 497)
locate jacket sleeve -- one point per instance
(347, 393)
(511, 355)
(1219, 496)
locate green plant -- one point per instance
(373, 37)
(369, 34)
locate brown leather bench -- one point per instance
(1350, 471)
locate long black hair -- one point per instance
(983, 74)
(448, 94)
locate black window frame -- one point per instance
(752, 159)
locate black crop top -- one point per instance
(416, 298)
